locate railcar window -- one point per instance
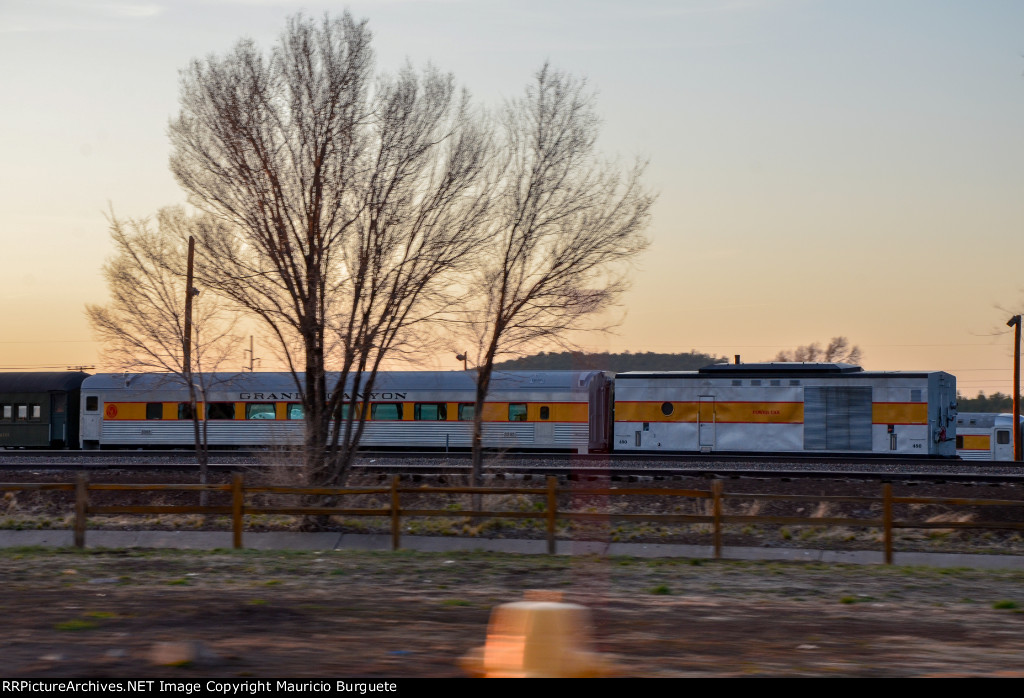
(22, 411)
(667, 408)
(184, 410)
(221, 410)
(776, 382)
(431, 412)
(36, 413)
(794, 382)
(296, 411)
(260, 410)
(466, 413)
(386, 410)
(915, 395)
(154, 410)
(737, 382)
(8, 412)
(755, 382)
(92, 403)
(959, 442)
(545, 412)
(517, 412)
(1003, 436)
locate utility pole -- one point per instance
(189, 292)
(1014, 322)
(252, 356)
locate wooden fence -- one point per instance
(714, 498)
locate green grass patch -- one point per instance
(76, 625)
(661, 590)
(1005, 604)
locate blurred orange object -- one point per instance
(538, 639)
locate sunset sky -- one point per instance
(824, 167)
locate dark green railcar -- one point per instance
(40, 410)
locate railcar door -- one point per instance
(58, 420)
(1002, 444)
(706, 423)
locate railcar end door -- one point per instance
(706, 423)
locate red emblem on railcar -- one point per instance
(111, 411)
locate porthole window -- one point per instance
(667, 408)
(545, 412)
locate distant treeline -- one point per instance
(604, 361)
(996, 402)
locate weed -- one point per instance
(455, 602)
(661, 590)
(76, 624)
(1005, 604)
(178, 582)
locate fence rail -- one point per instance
(241, 506)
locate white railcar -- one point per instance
(549, 410)
(786, 408)
(985, 436)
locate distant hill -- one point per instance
(576, 361)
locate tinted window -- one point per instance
(466, 412)
(221, 410)
(296, 411)
(430, 412)
(667, 408)
(516, 412)
(184, 410)
(386, 410)
(1003, 436)
(92, 403)
(154, 410)
(545, 412)
(959, 442)
(260, 410)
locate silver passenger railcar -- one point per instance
(548, 410)
(985, 435)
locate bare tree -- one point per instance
(145, 327)
(837, 350)
(565, 225)
(339, 208)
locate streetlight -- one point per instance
(464, 358)
(1014, 322)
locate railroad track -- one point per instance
(628, 467)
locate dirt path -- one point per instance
(345, 614)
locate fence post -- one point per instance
(887, 520)
(552, 511)
(716, 512)
(81, 508)
(396, 520)
(237, 503)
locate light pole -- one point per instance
(1014, 322)
(464, 358)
